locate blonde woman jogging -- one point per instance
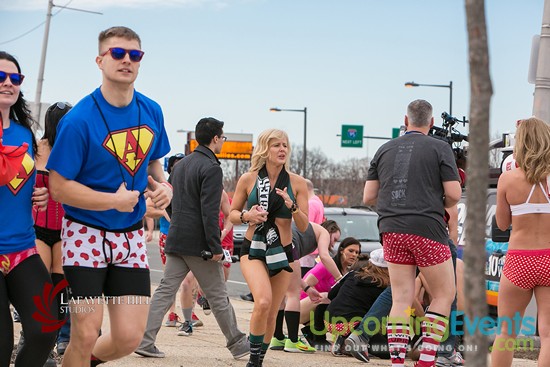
(275, 197)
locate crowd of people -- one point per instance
(74, 204)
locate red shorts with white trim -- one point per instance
(8, 262)
(528, 269)
(90, 247)
(411, 249)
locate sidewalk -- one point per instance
(206, 347)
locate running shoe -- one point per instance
(195, 321)
(185, 329)
(277, 344)
(298, 347)
(152, 352)
(358, 346)
(247, 297)
(455, 360)
(245, 351)
(172, 320)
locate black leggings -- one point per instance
(19, 287)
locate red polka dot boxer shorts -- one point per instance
(411, 249)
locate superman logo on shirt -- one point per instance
(130, 146)
(25, 172)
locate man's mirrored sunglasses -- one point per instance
(119, 53)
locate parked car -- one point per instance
(359, 223)
(238, 237)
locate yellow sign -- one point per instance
(237, 146)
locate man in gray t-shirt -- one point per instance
(412, 179)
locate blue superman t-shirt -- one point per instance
(101, 146)
(16, 223)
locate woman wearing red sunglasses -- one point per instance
(22, 272)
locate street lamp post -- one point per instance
(450, 86)
(304, 110)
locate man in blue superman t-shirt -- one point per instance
(103, 166)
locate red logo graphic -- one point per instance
(130, 146)
(25, 172)
(45, 314)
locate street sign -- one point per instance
(395, 132)
(352, 136)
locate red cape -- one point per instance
(10, 158)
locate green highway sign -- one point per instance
(395, 132)
(352, 136)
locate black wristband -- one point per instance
(242, 217)
(289, 253)
(306, 288)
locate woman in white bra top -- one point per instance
(523, 202)
(533, 208)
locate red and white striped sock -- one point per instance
(433, 330)
(398, 339)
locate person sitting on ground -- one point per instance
(316, 237)
(322, 280)
(353, 296)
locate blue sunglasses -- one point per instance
(119, 53)
(16, 78)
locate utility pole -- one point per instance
(541, 101)
(38, 95)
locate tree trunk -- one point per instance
(478, 171)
